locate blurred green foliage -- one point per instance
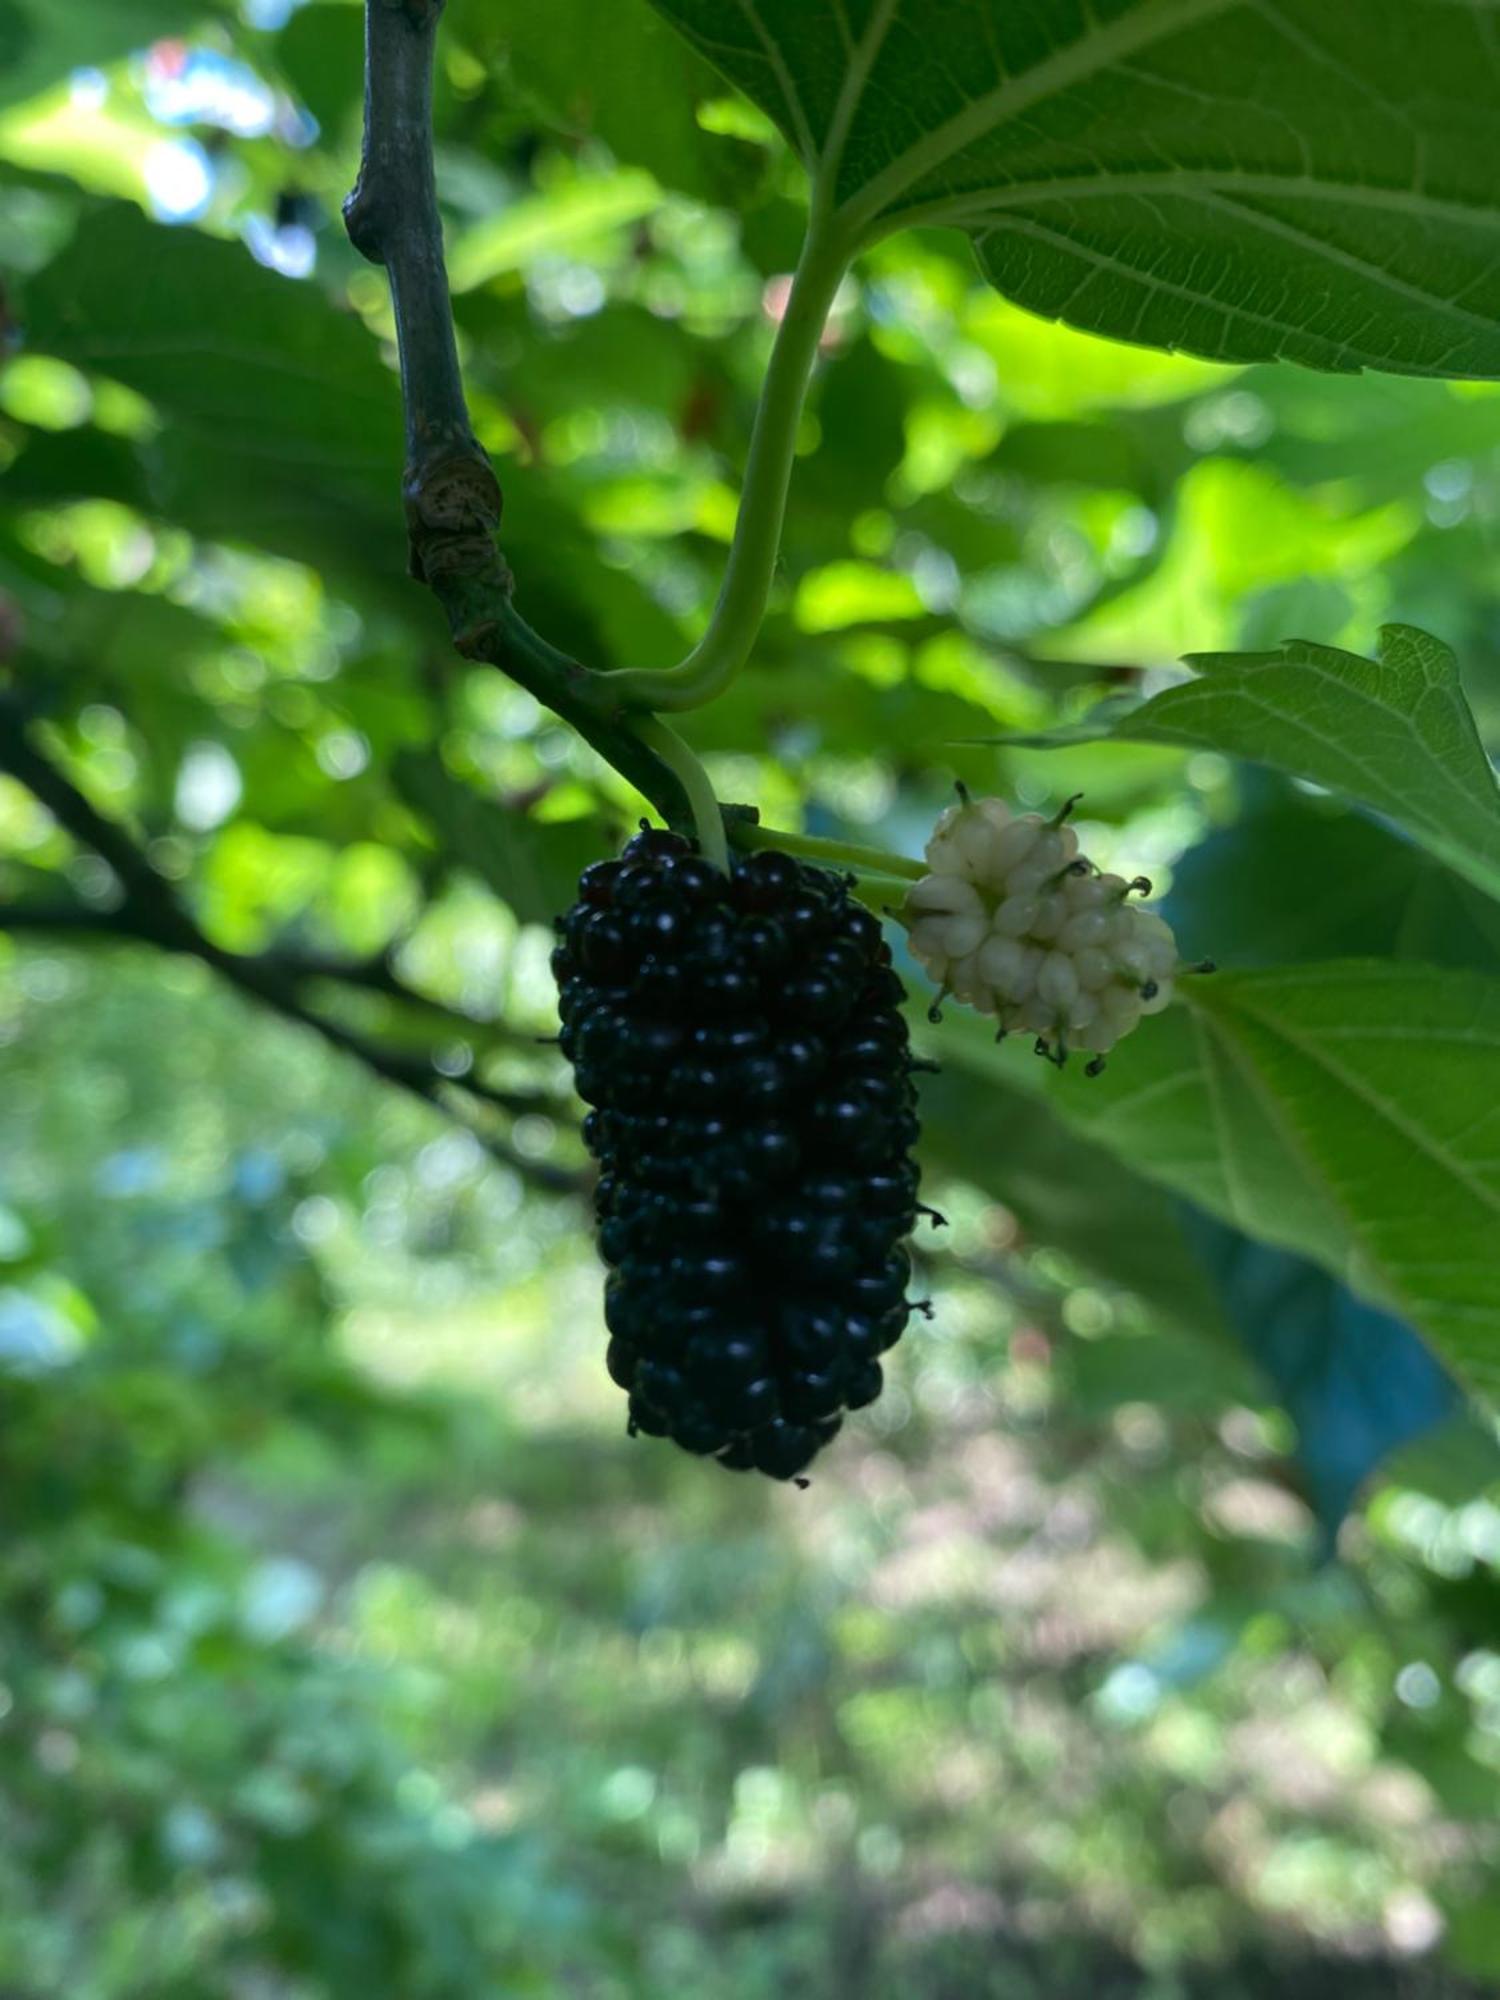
(346, 1644)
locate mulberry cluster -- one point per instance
(740, 1041)
(1015, 922)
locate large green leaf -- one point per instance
(614, 73)
(1395, 734)
(289, 395)
(1066, 1191)
(1348, 1109)
(40, 42)
(1301, 878)
(1246, 181)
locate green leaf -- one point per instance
(1066, 1191)
(1246, 182)
(613, 73)
(532, 866)
(40, 42)
(1384, 1082)
(1301, 878)
(572, 217)
(281, 404)
(797, 705)
(216, 341)
(1348, 1109)
(321, 54)
(1395, 734)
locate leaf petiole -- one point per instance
(741, 607)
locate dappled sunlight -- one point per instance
(1138, 1639)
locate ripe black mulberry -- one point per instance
(741, 1043)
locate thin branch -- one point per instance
(62, 919)
(708, 815)
(280, 968)
(452, 498)
(154, 912)
(417, 1074)
(378, 977)
(150, 912)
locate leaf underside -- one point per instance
(1343, 1109)
(1242, 179)
(1394, 734)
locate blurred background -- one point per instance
(1144, 1640)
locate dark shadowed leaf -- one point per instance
(1065, 1190)
(1298, 878)
(282, 421)
(1348, 1110)
(1356, 1380)
(613, 73)
(243, 357)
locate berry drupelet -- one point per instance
(741, 1043)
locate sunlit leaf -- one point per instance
(852, 593)
(1394, 734)
(1247, 183)
(571, 218)
(1233, 538)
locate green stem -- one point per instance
(708, 816)
(883, 894)
(873, 861)
(737, 616)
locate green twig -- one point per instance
(741, 608)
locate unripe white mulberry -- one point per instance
(944, 895)
(1085, 928)
(1007, 963)
(1051, 915)
(1013, 846)
(1015, 916)
(1057, 982)
(1014, 922)
(1095, 968)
